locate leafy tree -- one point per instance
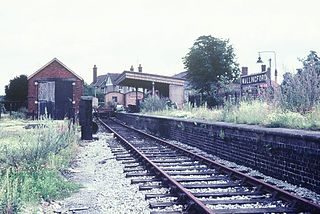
(17, 91)
(312, 60)
(87, 90)
(211, 64)
(300, 92)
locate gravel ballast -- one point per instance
(105, 188)
(300, 191)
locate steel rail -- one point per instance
(196, 204)
(296, 201)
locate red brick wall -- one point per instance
(53, 70)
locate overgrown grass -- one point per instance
(253, 112)
(30, 160)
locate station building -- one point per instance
(54, 90)
(130, 87)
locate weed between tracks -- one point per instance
(30, 161)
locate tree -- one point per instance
(210, 63)
(87, 90)
(312, 60)
(301, 92)
(17, 91)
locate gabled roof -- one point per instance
(100, 79)
(58, 61)
(103, 78)
(113, 76)
(181, 75)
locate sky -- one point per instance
(154, 33)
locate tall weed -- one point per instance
(30, 161)
(251, 112)
(154, 103)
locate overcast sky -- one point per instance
(117, 34)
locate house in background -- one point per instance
(113, 93)
(54, 90)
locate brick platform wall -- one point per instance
(290, 155)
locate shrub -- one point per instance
(20, 114)
(300, 92)
(154, 103)
(314, 118)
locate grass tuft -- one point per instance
(30, 160)
(250, 112)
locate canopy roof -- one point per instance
(144, 80)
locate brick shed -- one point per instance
(54, 90)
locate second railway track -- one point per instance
(195, 184)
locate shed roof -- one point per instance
(58, 61)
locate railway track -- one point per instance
(193, 183)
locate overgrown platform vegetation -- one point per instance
(253, 112)
(31, 158)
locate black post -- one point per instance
(85, 117)
(10, 109)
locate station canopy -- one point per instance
(145, 80)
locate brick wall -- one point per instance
(290, 155)
(53, 70)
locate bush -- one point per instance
(154, 103)
(301, 92)
(314, 118)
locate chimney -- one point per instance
(131, 68)
(140, 68)
(263, 68)
(95, 74)
(244, 71)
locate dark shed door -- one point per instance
(63, 98)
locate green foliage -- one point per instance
(100, 96)
(30, 161)
(312, 60)
(250, 112)
(253, 112)
(29, 186)
(20, 114)
(210, 61)
(17, 90)
(301, 92)
(154, 103)
(287, 119)
(87, 90)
